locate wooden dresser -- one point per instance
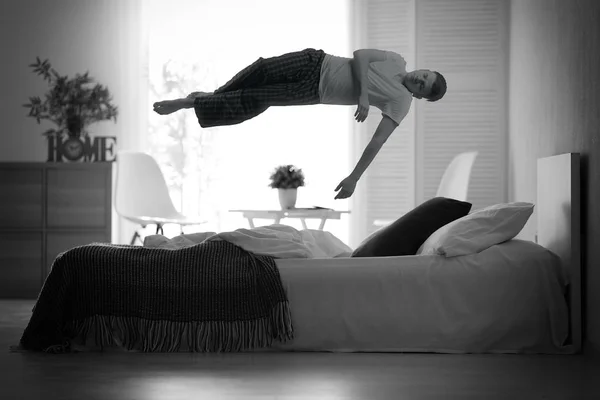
(45, 209)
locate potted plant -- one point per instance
(287, 179)
(71, 104)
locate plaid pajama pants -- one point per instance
(288, 80)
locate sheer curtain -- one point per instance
(126, 30)
(199, 45)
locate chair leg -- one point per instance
(135, 236)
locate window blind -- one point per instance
(466, 40)
(390, 180)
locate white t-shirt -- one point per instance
(386, 92)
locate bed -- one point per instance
(514, 297)
(506, 299)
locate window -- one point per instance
(198, 46)
(466, 40)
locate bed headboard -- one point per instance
(558, 225)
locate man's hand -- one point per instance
(362, 111)
(170, 106)
(347, 187)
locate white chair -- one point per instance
(142, 195)
(455, 181)
(456, 178)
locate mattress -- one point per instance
(509, 298)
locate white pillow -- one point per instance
(177, 242)
(478, 230)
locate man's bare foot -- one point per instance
(170, 106)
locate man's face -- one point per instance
(419, 82)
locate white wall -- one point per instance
(104, 37)
(554, 103)
(76, 36)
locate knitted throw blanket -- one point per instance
(220, 296)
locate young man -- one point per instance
(371, 78)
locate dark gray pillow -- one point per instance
(404, 236)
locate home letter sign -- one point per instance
(98, 149)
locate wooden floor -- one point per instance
(299, 376)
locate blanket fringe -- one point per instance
(166, 336)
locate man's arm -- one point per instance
(360, 66)
(382, 133)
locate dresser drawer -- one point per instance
(45, 209)
(21, 200)
(20, 265)
(77, 198)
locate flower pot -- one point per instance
(287, 198)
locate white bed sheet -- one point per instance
(509, 298)
(506, 299)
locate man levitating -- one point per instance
(371, 78)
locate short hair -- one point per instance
(438, 89)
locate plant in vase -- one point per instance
(287, 179)
(72, 105)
